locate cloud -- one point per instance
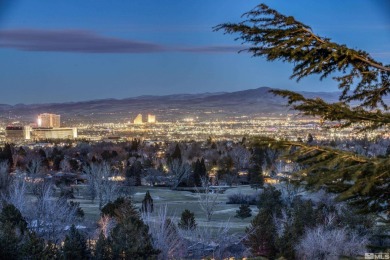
(72, 41)
(82, 41)
(213, 49)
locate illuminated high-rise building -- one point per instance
(151, 118)
(49, 120)
(138, 119)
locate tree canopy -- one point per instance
(364, 83)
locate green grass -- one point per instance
(178, 201)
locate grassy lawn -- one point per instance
(177, 201)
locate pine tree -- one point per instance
(33, 247)
(103, 248)
(197, 174)
(147, 203)
(6, 154)
(120, 209)
(261, 234)
(51, 251)
(176, 155)
(131, 240)
(302, 216)
(75, 245)
(12, 229)
(134, 172)
(9, 241)
(362, 181)
(255, 173)
(243, 212)
(187, 220)
(203, 170)
(200, 172)
(11, 215)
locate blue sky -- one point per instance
(72, 50)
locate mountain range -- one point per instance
(251, 102)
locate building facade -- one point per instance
(15, 134)
(49, 120)
(151, 118)
(138, 119)
(53, 133)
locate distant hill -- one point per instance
(251, 102)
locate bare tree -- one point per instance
(5, 177)
(240, 156)
(154, 176)
(101, 182)
(290, 191)
(216, 242)
(16, 196)
(207, 199)
(34, 166)
(166, 236)
(324, 242)
(65, 165)
(50, 217)
(180, 171)
(106, 224)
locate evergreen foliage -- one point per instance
(120, 209)
(147, 203)
(10, 241)
(34, 248)
(187, 220)
(261, 233)
(134, 172)
(12, 216)
(135, 143)
(75, 245)
(103, 248)
(131, 240)
(243, 212)
(255, 174)
(6, 154)
(200, 172)
(12, 229)
(302, 216)
(176, 153)
(365, 182)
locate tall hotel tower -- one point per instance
(138, 119)
(49, 120)
(151, 118)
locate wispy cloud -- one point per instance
(82, 41)
(212, 49)
(72, 41)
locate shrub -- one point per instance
(239, 198)
(187, 221)
(243, 212)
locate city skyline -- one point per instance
(63, 51)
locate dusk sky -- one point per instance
(73, 50)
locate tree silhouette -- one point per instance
(187, 220)
(147, 203)
(363, 181)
